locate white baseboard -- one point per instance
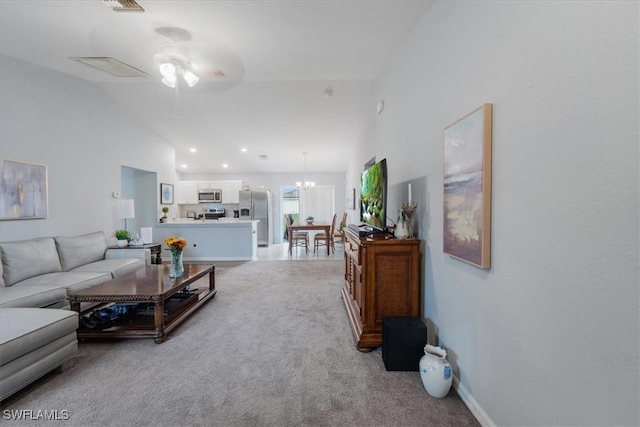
(471, 403)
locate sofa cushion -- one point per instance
(69, 280)
(79, 250)
(116, 267)
(27, 329)
(32, 296)
(22, 260)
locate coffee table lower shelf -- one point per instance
(143, 326)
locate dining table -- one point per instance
(308, 227)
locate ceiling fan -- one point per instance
(173, 61)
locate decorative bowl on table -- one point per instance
(309, 221)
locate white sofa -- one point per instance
(37, 331)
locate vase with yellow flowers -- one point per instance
(176, 245)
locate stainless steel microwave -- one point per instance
(210, 196)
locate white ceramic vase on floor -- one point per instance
(435, 371)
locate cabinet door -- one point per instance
(230, 190)
(204, 185)
(357, 287)
(226, 196)
(233, 190)
(187, 192)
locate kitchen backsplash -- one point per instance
(197, 208)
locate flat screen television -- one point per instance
(373, 196)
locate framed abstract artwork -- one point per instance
(23, 190)
(467, 187)
(166, 194)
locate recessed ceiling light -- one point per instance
(224, 165)
(244, 150)
(183, 166)
(193, 150)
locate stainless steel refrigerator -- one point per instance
(257, 205)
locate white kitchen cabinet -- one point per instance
(230, 191)
(187, 192)
(207, 185)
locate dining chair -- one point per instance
(298, 238)
(338, 235)
(322, 239)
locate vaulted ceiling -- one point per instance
(277, 78)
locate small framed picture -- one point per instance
(351, 198)
(166, 194)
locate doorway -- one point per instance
(290, 208)
(140, 185)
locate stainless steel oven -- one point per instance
(215, 213)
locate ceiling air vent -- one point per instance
(123, 5)
(111, 66)
(263, 157)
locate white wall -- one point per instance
(83, 137)
(550, 334)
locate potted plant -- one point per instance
(309, 219)
(164, 218)
(123, 238)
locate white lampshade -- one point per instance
(168, 69)
(190, 78)
(126, 209)
(169, 81)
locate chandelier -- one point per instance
(306, 184)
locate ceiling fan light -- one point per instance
(190, 78)
(167, 69)
(169, 80)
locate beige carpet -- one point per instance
(273, 348)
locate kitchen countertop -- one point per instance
(191, 221)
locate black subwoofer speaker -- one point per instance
(403, 341)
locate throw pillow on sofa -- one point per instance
(22, 260)
(80, 250)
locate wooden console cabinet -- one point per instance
(382, 278)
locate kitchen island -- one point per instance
(212, 240)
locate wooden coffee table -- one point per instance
(149, 285)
